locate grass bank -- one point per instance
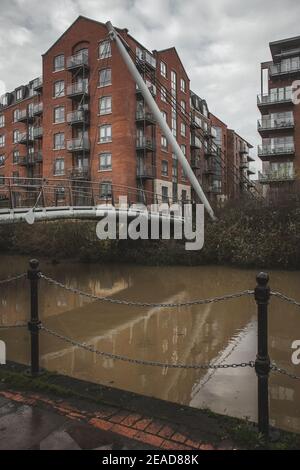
(247, 234)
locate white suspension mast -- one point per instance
(159, 118)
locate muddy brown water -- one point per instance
(210, 333)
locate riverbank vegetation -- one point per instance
(247, 234)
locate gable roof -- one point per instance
(173, 48)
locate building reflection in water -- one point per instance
(222, 332)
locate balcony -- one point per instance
(76, 61)
(151, 88)
(279, 70)
(144, 56)
(267, 125)
(267, 152)
(145, 143)
(78, 145)
(37, 84)
(271, 100)
(78, 117)
(145, 117)
(78, 89)
(211, 151)
(145, 171)
(38, 109)
(244, 150)
(31, 159)
(195, 163)
(79, 173)
(37, 132)
(24, 116)
(195, 143)
(25, 138)
(244, 163)
(276, 177)
(209, 168)
(251, 171)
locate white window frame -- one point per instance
(105, 53)
(163, 69)
(105, 136)
(105, 110)
(106, 156)
(104, 71)
(61, 66)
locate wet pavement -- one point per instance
(24, 427)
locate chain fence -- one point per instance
(285, 298)
(14, 278)
(132, 303)
(275, 368)
(142, 361)
(6, 327)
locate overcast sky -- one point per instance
(221, 42)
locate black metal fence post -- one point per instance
(34, 323)
(262, 363)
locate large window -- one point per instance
(59, 114)
(16, 136)
(173, 82)
(164, 168)
(104, 49)
(163, 69)
(2, 160)
(2, 140)
(163, 94)
(165, 193)
(183, 129)
(59, 63)
(16, 114)
(59, 166)
(16, 156)
(105, 189)
(2, 120)
(105, 77)
(105, 161)
(59, 141)
(2, 180)
(19, 94)
(182, 85)
(105, 105)
(164, 142)
(105, 134)
(59, 88)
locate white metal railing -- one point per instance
(276, 176)
(77, 60)
(275, 123)
(276, 150)
(81, 143)
(77, 88)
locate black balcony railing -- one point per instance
(31, 159)
(78, 89)
(37, 84)
(78, 117)
(38, 109)
(77, 60)
(37, 132)
(271, 99)
(145, 171)
(78, 145)
(79, 173)
(145, 116)
(274, 124)
(145, 143)
(276, 176)
(268, 150)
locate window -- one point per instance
(16, 156)
(2, 140)
(105, 161)
(59, 63)
(164, 168)
(105, 77)
(59, 166)
(4, 100)
(182, 105)
(183, 129)
(105, 105)
(59, 141)
(174, 123)
(184, 195)
(15, 176)
(59, 114)
(183, 149)
(60, 193)
(59, 88)
(164, 115)
(105, 133)
(163, 94)
(173, 82)
(19, 94)
(2, 120)
(165, 193)
(16, 114)
(2, 160)
(182, 85)
(16, 136)
(163, 69)
(105, 189)
(164, 143)
(2, 180)
(104, 49)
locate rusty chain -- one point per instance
(282, 371)
(14, 278)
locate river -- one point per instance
(217, 332)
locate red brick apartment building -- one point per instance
(85, 120)
(279, 125)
